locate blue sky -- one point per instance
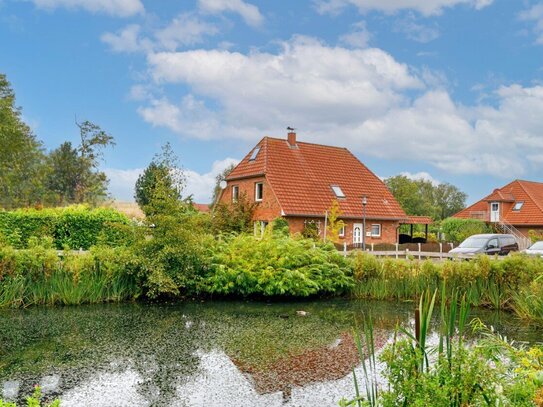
(444, 89)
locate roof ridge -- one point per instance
(308, 143)
(520, 182)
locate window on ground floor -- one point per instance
(342, 231)
(260, 227)
(375, 230)
(235, 193)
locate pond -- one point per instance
(214, 353)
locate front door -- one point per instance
(494, 211)
(357, 233)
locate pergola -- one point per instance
(418, 220)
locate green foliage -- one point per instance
(161, 184)
(310, 230)
(73, 227)
(454, 373)
(456, 230)
(234, 217)
(33, 401)
(30, 177)
(218, 179)
(280, 227)
(334, 223)
(422, 197)
(243, 265)
(37, 276)
(22, 161)
(514, 283)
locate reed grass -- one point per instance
(514, 284)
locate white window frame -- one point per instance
(518, 206)
(260, 227)
(342, 231)
(338, 191)
(235, 196)
(380, 230)
(257, 198)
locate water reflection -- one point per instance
(192, 354)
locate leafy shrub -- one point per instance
(32, 401)
(74, 227)
(242, 265)
(457, 230)
(280, 227)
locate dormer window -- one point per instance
(518, 206)
(254, 153)
(337, 190)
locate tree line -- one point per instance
(32, 176)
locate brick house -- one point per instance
(299, 181)
(515, 208)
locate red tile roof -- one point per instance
(201, 207)
(302, 178)
(529, 192)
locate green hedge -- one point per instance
(72, 227)
(457, 230)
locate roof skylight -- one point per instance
(254, 154)
(518, 206)
(337, 190)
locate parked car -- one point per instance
(490, 244)
(535, 250)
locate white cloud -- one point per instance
(249, 12)
(415, 31)
(185, 29)
(420, 176)
(363, 99)
(200, 186)
(359, 37)
(120, 8)
(122, 182)
(425, 7)
(535, 14)
(126, 40)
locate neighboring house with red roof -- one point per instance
(517, 206)
(299, 181)
(201, 207)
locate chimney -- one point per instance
(291, 139)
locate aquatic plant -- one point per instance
(514, 283)
(32, 401)
(491, 372)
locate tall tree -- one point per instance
(161, 184)
(21, 155)
(74, 175)
(421, 197)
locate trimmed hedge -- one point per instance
(73, 227)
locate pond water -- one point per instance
(216, 353)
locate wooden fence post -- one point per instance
(397, 249)
(419, 249)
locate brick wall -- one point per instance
(267, 210)
(388, 229)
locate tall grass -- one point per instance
(38, 277)
(452, 373)
(514, 283)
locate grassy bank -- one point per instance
(38, 276)
(174, 262)
(514, 283)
